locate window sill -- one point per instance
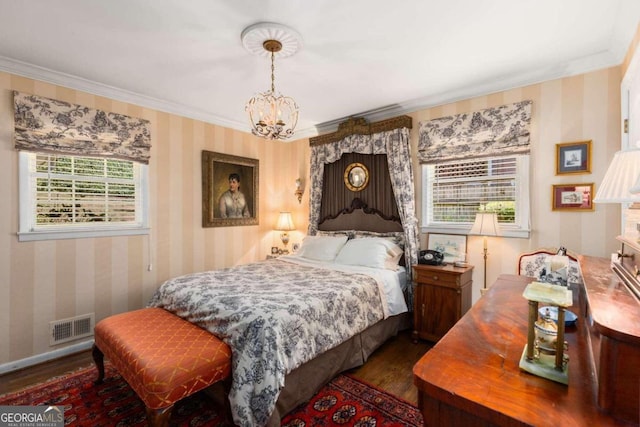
(505, 232)
(31, 236)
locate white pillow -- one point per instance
(370, 252)
(321, 248)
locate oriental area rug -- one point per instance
(345, 401)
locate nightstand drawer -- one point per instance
(447, 275)
(436, 277)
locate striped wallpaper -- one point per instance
(583, 107)
(44, 281)
(50, 280)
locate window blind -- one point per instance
(83, 191)
(459, 189)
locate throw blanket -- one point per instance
(275, 316)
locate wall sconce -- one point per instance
(299, 191)
(284, 224)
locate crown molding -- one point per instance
(601, 60)
(78, 83)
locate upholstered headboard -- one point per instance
(360, 217)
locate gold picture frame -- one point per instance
(240, 206)
(356, 176)
(572, 197)
(573, 157)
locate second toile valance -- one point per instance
(489, 132)
(52, 126)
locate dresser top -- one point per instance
(475, 367)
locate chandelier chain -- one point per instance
(273, 74)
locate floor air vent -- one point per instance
(71, 329)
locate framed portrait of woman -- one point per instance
(229, 190)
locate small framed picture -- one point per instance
(453, 246)
(573, 157)
(572, 197)
(274, 250)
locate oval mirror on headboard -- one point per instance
(356, 176)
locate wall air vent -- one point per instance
(70, 329)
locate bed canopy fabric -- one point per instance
(390, 137)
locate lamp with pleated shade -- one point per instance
(621, 182)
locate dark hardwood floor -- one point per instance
(389, 368)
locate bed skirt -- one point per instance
(305, 381)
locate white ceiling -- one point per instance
(372, 58)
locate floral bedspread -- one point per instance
(275, 316)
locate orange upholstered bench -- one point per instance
(162, 357)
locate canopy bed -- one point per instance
(295, 322)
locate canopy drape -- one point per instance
(396, 145)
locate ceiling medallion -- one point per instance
(271, 114)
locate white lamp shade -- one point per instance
(285, 222)
(636, 188)
(486, 224)
(622, 176)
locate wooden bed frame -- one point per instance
(305, 381)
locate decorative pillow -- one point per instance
(348, 233)
(371, 252)
(396, 237)
(321, 248)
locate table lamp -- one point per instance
(284, 224)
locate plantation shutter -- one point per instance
(459, 188)
(84, 191)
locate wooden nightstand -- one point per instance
(442, 295)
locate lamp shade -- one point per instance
(622, 175)
(285, 222)
(486, 224)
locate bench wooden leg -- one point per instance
(98, 358)
(159, 417)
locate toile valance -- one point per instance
(493, 131)
(49, 125)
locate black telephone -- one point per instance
(430, 257)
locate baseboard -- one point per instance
(45, 357)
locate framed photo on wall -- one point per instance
(572, 197)
(229, 190)
(573, 157)
(453, 246)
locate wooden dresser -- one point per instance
(472, 377)
(442, 295)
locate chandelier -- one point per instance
(271, 114)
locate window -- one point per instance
(64, 196)
(454, 191)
